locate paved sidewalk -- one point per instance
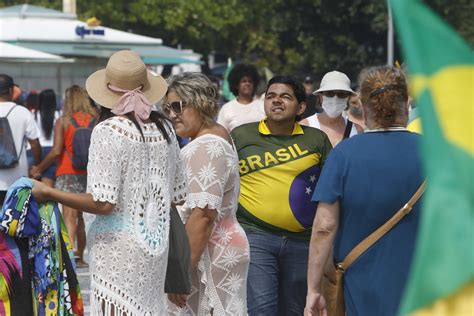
(84, 281)
(84, 278)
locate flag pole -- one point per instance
(389, 37)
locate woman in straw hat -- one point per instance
(219, 246)
(134, 174)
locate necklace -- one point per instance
(387, 129)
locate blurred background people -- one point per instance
(365, 180)
(22, 126)
(246, 107)
(333, 93)
(77, 109)
(355, 113)
(217, 82)
(313, 105)
(31, 102)
(219, 246)
(17, 92)
(45, 118)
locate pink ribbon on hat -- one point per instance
(132, 101)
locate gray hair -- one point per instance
(198, 91)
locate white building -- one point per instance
(78, 48)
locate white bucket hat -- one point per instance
(335, 80)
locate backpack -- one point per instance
(81, 140)
(8, 155)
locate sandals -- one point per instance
(81, 264)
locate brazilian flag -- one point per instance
(441, 78)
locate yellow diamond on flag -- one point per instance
(452, 90)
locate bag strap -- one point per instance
(74, 122)
(91, 123)
(347, 131)
(76, 125)
(11, 110)
(23, 140)
(381, 231)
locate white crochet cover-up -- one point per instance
(129, 248)
(220, 284)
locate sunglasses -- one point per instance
(339, 94)
(176, 107)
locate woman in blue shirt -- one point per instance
(366, 179)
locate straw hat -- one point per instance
(335, 80)
(124, 70)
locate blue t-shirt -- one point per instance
(373, 175)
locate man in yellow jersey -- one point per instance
(280, 162)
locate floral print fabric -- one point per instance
(219, 284)
(129, 248)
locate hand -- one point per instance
(178, 299)
(315, 305)
(40, 191)
(35, 172)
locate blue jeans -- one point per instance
(276, 283)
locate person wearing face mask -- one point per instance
(334, 92)
(355, 113)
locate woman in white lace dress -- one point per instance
(134, 174)
(219, 246)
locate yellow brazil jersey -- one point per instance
(278, 175)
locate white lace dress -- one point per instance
(220, 284)
(129, 248)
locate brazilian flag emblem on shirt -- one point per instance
(278, 176)
(441, 79)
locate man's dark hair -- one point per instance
(238, 72)
(6, 84)
(294, 83)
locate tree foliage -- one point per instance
(288, 36)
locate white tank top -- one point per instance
(314, 122)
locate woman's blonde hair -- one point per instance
(76, 100)
(198, 91)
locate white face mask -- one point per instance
(333, 106)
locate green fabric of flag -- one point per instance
(441, 78)
(226, 93)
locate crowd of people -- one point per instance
(269, 187)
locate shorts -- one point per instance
(50, 172)
(74, 183)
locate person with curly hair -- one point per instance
(219, 246)
(245, 108)
(365, 180)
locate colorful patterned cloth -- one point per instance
(48, 260)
